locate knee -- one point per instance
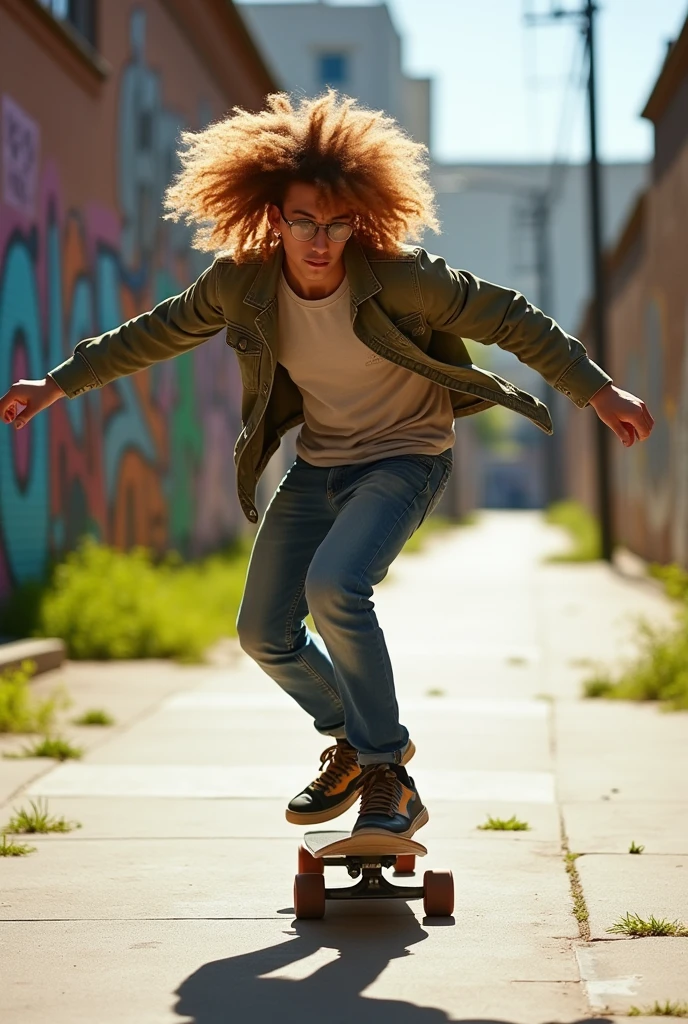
(252, 636)
(330, 591)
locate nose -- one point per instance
(321, 241)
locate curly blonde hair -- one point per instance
(234, 169)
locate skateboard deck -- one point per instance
(365, 844)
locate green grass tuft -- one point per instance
(19, 711)
(634, 848)
(50, 746)
(12, 849)
(95, 716)
(665, 1009)
(636, 927)
(660, 672)
(511, 824)
(37, 820)
(583, 528)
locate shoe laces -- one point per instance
(380, 791)
(340, 759)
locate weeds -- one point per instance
(633, 848)
(582, 527)
(109, 604)
(580, 910)
(660, 672)
(50, 746)
(636, 927)
(665, 1009)
(511, 824)
(13, 849)
(19, 711)
(95, 716)
(38, 820)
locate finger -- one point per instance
(21, 417)
(13, 410)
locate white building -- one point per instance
(357, 50)
(498, 222)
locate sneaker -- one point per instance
(390, 803)
(336, 788)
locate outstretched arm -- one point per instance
(460, 303)
(176, 325)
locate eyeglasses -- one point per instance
(303, 230)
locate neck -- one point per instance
(314, 289)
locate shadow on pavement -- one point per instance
(234, 990)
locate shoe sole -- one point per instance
(316, 817)
(381, 840)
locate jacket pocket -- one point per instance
(248, 350)
(412, 326)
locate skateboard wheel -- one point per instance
(308, 864)
(309, 896)
(405, 864)
(438, 893)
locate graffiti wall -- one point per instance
(148, 459)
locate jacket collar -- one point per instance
(362, 280)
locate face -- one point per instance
(314, 268)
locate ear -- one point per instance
(274, 216)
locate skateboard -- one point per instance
(364, 856)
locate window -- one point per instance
(333, 69)
(79, 14)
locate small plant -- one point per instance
(598, 686)
(38, 820)
(634, 848)
(19, 711)
(50, 746)
(511, 824)
(583, 528)
(435, 691)
(636, 927)
(665, 1009)
(95, 716)
(13, 849)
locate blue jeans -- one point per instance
(327, 538)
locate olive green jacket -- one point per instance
(410, 308)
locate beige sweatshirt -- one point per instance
(357, 406)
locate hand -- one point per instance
(625, 414)
(26, 398)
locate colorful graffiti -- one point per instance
(148, 459)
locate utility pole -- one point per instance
(586, 18)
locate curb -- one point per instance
(47, 653)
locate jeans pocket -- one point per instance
(439, 490)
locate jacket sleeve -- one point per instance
(175, 325)
(459, 303)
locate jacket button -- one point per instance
(242, 344)
(418, 331)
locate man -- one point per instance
(337, 324)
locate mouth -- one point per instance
(317, 263)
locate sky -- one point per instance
(503, 91)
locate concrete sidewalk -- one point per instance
(173, 902)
